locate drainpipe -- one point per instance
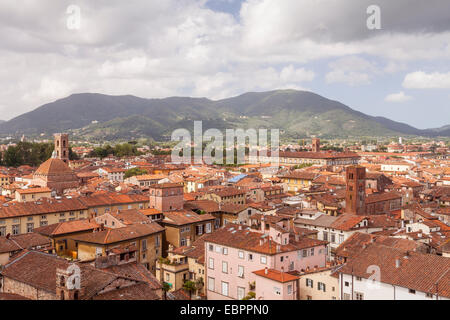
(353, 289)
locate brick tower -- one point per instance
(167, 197)
(355, 197)
(62, 146)
(316, 145)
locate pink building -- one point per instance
(234, 252)
(276, 285)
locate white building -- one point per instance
(384, 273)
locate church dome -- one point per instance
(52, 167)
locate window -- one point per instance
(218, 249)
(2, 231)
(359, 295)
(333, 238)
(211, 264)
(211, 247)
(208, 228)
(341, 238)
(429, 295)
(225, 288)
(321, 286)
(250, 257)
(30, 219)
(157, 241)
(241, 254)
(240, 293)
(411, 291)
(289, 289)
(144, 244)
(347, 283)
(224, 267)
(43, 223)
(211, 284)
(15, 229)
(183, 242)
(225, 251)
(346, 296)
(305, 253)
(240, 271)
(263, 259)
(311, 252)
(358, 279)
(309, 283)
(30, 227)
(199, 230)
(277, 291)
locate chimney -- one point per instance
(261, 242)
(278, 248)
(266, 270)
(397, 263)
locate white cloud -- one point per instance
(351, 70)
(179, 47)
(422, 80)
(398, 97)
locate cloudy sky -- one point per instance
(222, 48)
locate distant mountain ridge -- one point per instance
(297, 113)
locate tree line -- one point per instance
(119, 150)
(29, 153)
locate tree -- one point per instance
(135, 172)
(165, 289)
(189, 286)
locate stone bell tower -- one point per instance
(62, 146)
(69, 283)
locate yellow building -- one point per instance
(298, 180)
(319, 284)
(184, 264)
(60, 235)
(32, 194)
(185, 227)
(137, 242)
(17, 218)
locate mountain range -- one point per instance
(297, 113)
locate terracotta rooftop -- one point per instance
(33, 190)
(109, 236)
(53, 166)
(276, 275)
(183, 217)
(416, 271)
(67, 227)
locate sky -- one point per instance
(398, 67)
